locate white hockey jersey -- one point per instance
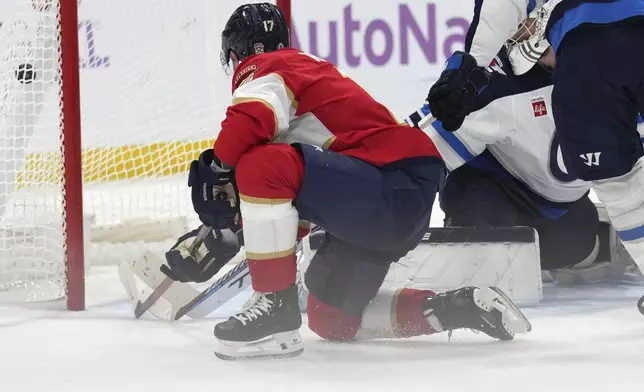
(511, 131)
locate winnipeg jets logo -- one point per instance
(591, 158)
(539, 107)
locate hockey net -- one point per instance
(152, 96)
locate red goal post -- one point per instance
(285, 6)
(71, 146)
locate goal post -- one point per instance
(285, 6)
(72, 158)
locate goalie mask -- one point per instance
(529, 43)
(253, 29)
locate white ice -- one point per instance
(584, 338)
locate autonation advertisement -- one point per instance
(395, 49)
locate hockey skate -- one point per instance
(267, 328)
(488, 310)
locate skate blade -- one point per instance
(258, 357)
(514, 321)
(282, 345)
(518, 320)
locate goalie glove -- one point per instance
(216, 250)
(214, 195)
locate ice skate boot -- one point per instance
(267, 328)
(488, 310)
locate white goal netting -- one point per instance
(152, 97)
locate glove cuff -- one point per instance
(218, 166)
(480, 78)
(462, 61)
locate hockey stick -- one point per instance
(231, 284)
(235, 275)
(425, 122)
(223, 288)
(142, 307)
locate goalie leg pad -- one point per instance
(449, 258)
(146, 270)
(622, 196)
(623, 268)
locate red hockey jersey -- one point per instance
(289, 96)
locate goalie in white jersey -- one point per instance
(506, 170)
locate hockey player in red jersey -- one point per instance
(303, 142)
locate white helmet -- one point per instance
(529, 43)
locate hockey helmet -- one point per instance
(253, 29)
(529, 43)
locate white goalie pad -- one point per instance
(449, 258)
(611, 263)
(617, 253)
(141, 276)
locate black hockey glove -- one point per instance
(214, 193)
(452, 94)
(217, 250)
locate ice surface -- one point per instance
(584, 338)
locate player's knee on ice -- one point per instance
(347, 300)
(341, 280)
(346, 277)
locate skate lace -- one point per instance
(261, 306)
